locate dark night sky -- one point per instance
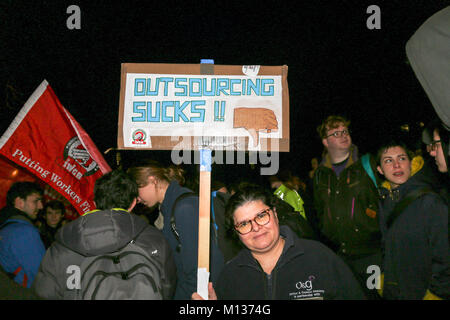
(336, 64)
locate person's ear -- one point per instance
(275, 213)
(133, 204)
(151, 180)
(19, 203)
(325, 142)
(380, 170)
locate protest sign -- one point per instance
(167, 106)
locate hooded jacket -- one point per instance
(428, 51)
(416, 250)
(21, 248)
(98, 233)
(347, 207)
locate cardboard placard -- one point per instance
(185, 106)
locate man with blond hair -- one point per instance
(346, 200)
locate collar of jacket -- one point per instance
(417, 164)
(290, 251)
(174, 190)
(112, 209)
(10, 212)
(352, 158)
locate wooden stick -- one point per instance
(204, 219)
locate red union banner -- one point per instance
(45, 139)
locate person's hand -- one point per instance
(211, 294)
(255, 120)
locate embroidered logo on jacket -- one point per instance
(305, 290)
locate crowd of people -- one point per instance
(387, 210)
(372, 226)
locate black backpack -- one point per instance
(128, 274)
(227, 245)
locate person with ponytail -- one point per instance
(179, 206)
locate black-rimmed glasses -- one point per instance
(433, 146)
(261, 219)
(338, 134)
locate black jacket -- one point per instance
(347, 207)
(306, 270)
(416, 249)
(98, 233)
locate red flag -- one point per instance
(45, 139)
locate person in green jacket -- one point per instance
(286, 192)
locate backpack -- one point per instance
(130, 273)
(365, 160)
(228, 246)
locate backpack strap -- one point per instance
(173, 225)
(405, 202)
(365, 160)
(215, 195)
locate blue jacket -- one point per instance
(20, 247)
(186, 259)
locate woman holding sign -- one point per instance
(276, 264)
(179, 207)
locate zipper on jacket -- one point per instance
(269, 285)
(274, 284)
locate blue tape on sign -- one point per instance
(205, 160)
(209, 61)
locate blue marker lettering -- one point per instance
(232, 83)
(269, 83)
(166, 81)
(136, 109)
(139, 87)
(181, 86)
(207, 92)
(222, 85)
(165, 105)
(155, 89)
(150, 117)
(198, 83)
(178, 112)
(252, 86)
(201, 112)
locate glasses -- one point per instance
(338, 134)
(261, 219)
(433, 146)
